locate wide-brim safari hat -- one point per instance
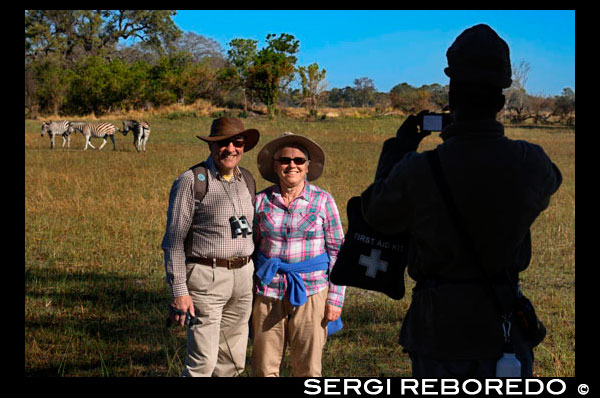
(266, 156)
(227, 127)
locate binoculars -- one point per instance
(239, 226)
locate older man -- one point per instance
(208, 251)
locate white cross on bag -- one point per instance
(373, 263)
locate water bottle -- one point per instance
(508, 366)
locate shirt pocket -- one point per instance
(310, 225)
(270, 224)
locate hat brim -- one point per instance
(252, 136)
(315, 152)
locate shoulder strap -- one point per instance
(250, 183)
(436, 167)
(201, 181)
(504, 303)
(438, 175)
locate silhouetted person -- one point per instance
(453, 328)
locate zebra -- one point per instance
(76, 126)
(141, 132)
(98, 130)
(60, 127)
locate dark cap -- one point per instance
(480, 56)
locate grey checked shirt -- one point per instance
(206, 233)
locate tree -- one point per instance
(48, 84)
(31, 104)
(59, 32)
(410, 99)
(341, 97)
(540, 108)
(99, 86)
(138, 85)
(516, 94)
(273, 69)
(313, 85)
(291, 97)
(564, 105)
(520, 73)
(198, 46)
(242, 55)
(137, 52)
(365, 88)
(439, 95)
(200, 75)
(74, 33)
(172, 70)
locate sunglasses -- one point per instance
(238, 142)
(286, 160)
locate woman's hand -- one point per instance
(332, 312)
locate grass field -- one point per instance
(95, 296)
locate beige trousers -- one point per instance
(276, 323)
(223, 303)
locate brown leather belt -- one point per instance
(229, 263)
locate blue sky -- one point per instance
(396, 46)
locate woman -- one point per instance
(298, 234)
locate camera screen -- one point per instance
(432, 122)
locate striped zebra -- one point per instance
(60, 127)
(97, 130)
(141, 132)
(76, 126)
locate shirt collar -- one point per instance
(306, 191)
(210, 163)
(305, 194)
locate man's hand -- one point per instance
(411, 132)
(332, 312)
(182, 303)
(407, 139)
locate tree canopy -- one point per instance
(74, 33)
(273, 69)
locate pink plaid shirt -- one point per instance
(309, 227)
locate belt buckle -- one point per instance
(231, 261)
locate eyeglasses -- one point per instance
(238, 142)
(286, 160)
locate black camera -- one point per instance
(239, 226)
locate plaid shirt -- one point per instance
(206, 233)
(309, 227)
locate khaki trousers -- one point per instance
(276, 323)
(223, 303)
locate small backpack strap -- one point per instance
(250, 183)
(200, 182)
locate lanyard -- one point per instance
(226, 189)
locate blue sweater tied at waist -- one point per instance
(296, 291)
